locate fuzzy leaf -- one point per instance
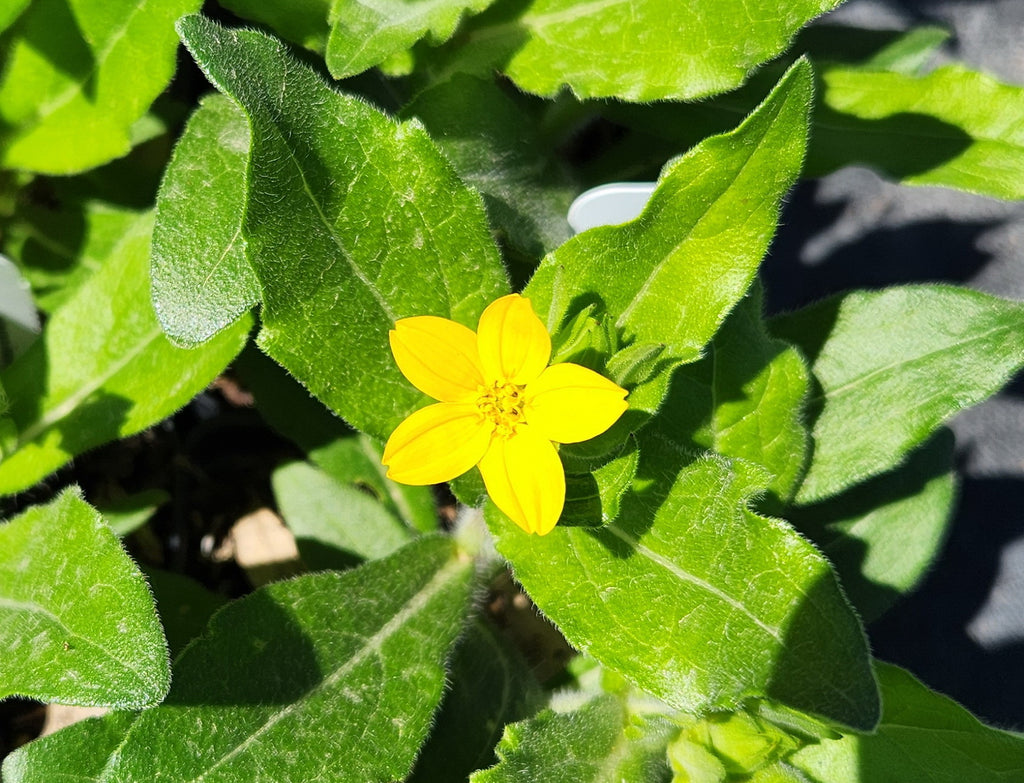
(490, 686)
(184, 606)
(953, 127)
(672, 275)
(75, 754)
(884, 534)
(598, 743)
(357, 657)
(697, 600)
(365, 34)
(91, 377)
(197, 237)
(78, 75)
(893, 366)
(77, 622)
(923, 736)
(334, 524)
(491, 135)
(58, 249)
(640, 50)
(745, 399)
(342, 203)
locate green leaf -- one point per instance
(301, 21)
(490, 686)
(355, 461)
(491, 136)
(892, 366)
(953, 127)
(184, 606)
(365, 34)
(349, 458)
(354, 658)
(884, 534)
(58, 249)
(77, 622)
(334, 281)
(923, 736)
(642, 50)
(672, 275)
(127, 514)
(201, 276)
(601, 742)
(334, 524)
(10, 11)
(595, 498)
(906, 51)
(719, 746)
(745, 399)
(78, 75)
(697, 600)
(91, 378)
(75, 754)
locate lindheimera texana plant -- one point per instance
(353, 227)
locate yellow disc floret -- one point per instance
(501, 404)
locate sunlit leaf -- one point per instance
(893, 365)
(364, 34)
(923, 736)
(952, 127)
(334, 524)
(198, 245)
(78, 75)
(601, 742)
(77, 622)
(884, 534)
(643, 50)
(355, 657)
(76, 754)
(745, 399)
(103, 369)
(697, 600)
(672, 275)
(491, 136)
(342, 203)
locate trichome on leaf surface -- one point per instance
(346, 222)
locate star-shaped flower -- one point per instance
(501, 406)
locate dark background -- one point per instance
(962, 631)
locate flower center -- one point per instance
(501, 403)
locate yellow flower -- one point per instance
(500, 407)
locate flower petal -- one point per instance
(437, 443)
(438, 356)
(514, 344)
(569, 403)
(525, 479)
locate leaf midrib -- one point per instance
(847, 386)
(318, 207)
(372, 645)
(60, 411)
(686, 576)
(623, 320)
(33, 607)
